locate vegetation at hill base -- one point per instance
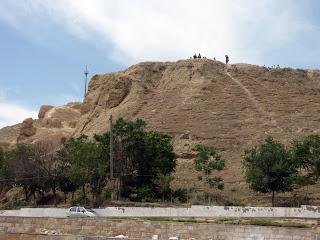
(273, 167)
(208, 160)
(144, 163)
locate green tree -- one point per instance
(163, 184)
(1, 156)
(6, 175)
(140, 156)
(84, 159)
(43, 153)
(270, 168)
(65, 183)
(24, 169)
(208, 160)
(306, 153)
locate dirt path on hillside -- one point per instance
(248, 93)
(251, 97)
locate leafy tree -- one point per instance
(208, 160)
(48, 165)
(84, 160)
(306, 154)
(1, 156)
(163, 184)
(140, 156)
(4, 170)
(270, 168)
(65, 183)
(24, 169)
(97, 181)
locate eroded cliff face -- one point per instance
(230, 107)
(53, 124)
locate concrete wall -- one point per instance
(54, 228)
(193, 211)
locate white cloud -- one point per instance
(12, 113)
(170, 29)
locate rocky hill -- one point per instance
(230, 107)
(52, 124)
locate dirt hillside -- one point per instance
(230, 107)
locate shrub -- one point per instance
(180, 195)
(233, 202)
(81, 199)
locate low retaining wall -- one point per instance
(36, 228)
(310, 212)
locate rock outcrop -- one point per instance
(43, 110)
(53, 124)
(27, 129)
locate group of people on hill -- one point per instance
(195, 56)
(199, 56)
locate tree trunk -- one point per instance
(26, 193)
(34, 197)
(65, 198)
(119, 184)
(272, 198)
(84, 193)
(54, 195)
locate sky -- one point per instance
(46, 44)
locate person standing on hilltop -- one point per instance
(227, 59)
(195, 56)
(199, 56)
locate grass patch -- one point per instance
(270, 222)
(182, 220)
(263, 222)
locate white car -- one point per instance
(79, 212)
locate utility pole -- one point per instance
(86, 81)
(111, 159)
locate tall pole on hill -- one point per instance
(85, 81)
(111, 159)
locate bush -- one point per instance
(196, 198)
(180, 195)
(16, 204)
(145, 194)
(80, 200)
(101, 198)
(233, 202)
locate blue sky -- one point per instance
(45, 44)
